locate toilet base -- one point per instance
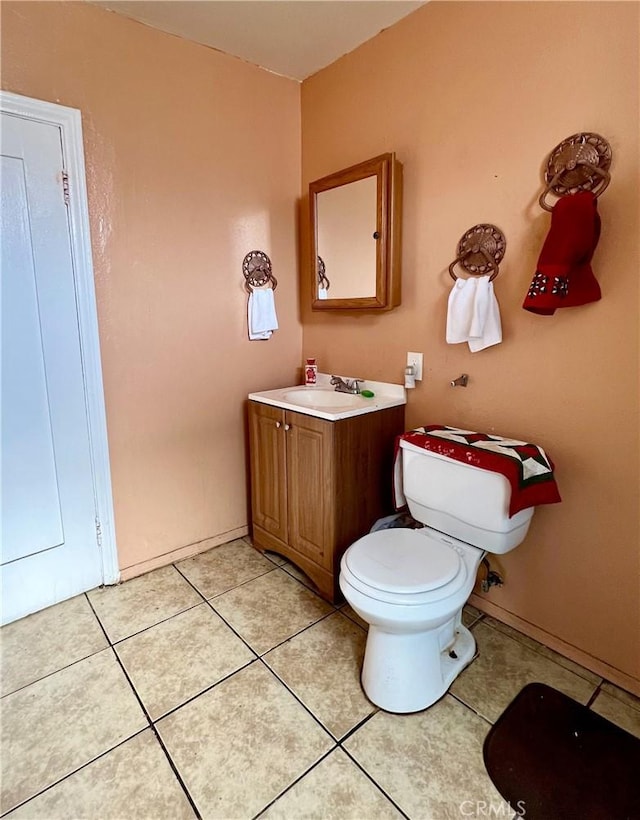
(407, 672)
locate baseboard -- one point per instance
(598, 667)
(126, 573)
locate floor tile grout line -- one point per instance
(338, 745)
(473, 711)
(542, 653)
(283, 567)
(481, 618)
(268, 557)
(129, 681)
(359, 725)
(308, 586)
(296, 634)
(156, 734)
(225, 621)
(177, 549)
(261, 657)
(75, 771)
(104, 631)
(299, 700)
(594, 695)
(375, 783)
(353, 621)
(204, 600)
(169, 617)
(73, 663)
(67, 665)
(152, 626)
(547, 657)
(336, 742)
(265, 664)
(55, 672)
(145, 628)
(173, 766)
(244, 640)
(85, 595)
(149, 720)
(613, 694)
(255, 659)
(190, 699)
(230, 589)
(294, 782)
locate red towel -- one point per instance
(527, 467)
(564, 277)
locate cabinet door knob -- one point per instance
(287, 427)
(278, 424)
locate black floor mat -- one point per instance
(552, 758)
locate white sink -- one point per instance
(317, 397)
(323, 402)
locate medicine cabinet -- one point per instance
(355, 236)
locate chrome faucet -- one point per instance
(346, 385)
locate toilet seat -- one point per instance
(403, 566)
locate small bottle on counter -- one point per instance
(310, 372)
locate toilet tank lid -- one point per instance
(403, 560)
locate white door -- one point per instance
(50, 533)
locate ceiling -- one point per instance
(294, 38)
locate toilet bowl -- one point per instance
(410, 585)
(416, 643)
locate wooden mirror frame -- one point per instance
(388, 172)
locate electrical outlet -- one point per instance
(415, 359)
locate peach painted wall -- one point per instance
(193, 159)
(472, 97)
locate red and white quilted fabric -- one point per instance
(526, 466)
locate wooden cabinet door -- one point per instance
(268, 468)
(310, 482)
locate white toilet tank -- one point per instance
(461, 500)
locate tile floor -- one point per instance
(223, 687)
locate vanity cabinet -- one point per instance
(317, 485)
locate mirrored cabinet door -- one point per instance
(355, 237)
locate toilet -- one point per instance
(410, 585)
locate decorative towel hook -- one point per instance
(579, 163)
(323, 282)
(256, 267)
(480, 251)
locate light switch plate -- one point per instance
(415, 359)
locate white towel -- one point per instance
(473, 315)
(489, 332)
(261, 314)
(460, 310)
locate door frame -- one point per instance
(69, 121)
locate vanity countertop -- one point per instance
(324, 402)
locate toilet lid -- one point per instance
(402, 560)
